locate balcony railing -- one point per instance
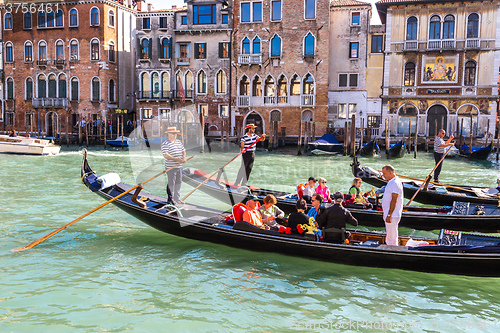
(411, 45)
(282, 99)
(449, 44)
(434, 44)
(59, 62)
(155, 95)
(307, 100)
(250, 59)
(243, 100)
(472, 43)
(188, 94)
(269, 99)
(60, 103)
(182, 61)
(42, 62)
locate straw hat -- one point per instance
(173, 130)
(250, 125)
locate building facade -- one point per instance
(441, 66)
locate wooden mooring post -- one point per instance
(299, 151)
(353, 136)
(387, 137)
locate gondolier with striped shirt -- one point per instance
(174, 153)
(439, 149)
(247, 140)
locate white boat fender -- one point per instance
(108, 180)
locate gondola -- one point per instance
(397, 150)
(435, 194)
(369, 149)
(328, 143)
(460, 216)
(477, 153)
(452, 252)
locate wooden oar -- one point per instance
(428, 177)
(213, 174)
(38, 241)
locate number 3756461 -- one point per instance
(23, 7)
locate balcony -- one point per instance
(59, 62)
(43, 63)
(153, 95)
(250, 59)
(307, 100)
(282, 99)
(188, 94)
(269, 99)
(434, 45)
(243, 101)
(449, 44)
(472, 43)
(182, 61)
(46, 103)
(411, 46)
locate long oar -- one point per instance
(38, 241)
(208, 178)
(428, 177)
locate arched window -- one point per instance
(221, 82)
(473, 26)
(282, 86)
(165, 84)
(411, 28)
(52, 86)
(8, 21)
(62, 88)
(73, 50)
(111, 17)
(276, 46)
(50, 19)
(155, 85)
(145, 87)
(28, 52)
(73, 17)
(409, 74)
(470, 73)
(27, 20)
(111, 51)
(295, 85)
(275, 115)
(202, 82)
(9, 52)
(188, 79)
(309, 45)
(94, 16)
(145, 48)
(41, 20)
(256, 87)
(256, 45)
(406, 114)
(28, 89)
(269, 87)
(308, 85)
(244, 86)
(59, 18)
(42, 86)
(245, 46)
(111, 92)
(42, 51)
(435, 27)
(10, 88)
(449, 27)
(96, 89)
(59, 50)
(75, 89)
(94, 49)
(165, 48)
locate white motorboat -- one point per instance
(28, 146)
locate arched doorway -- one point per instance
(51, 121)
(437, 118)
(467, 120)
(407, 113)
(256, 119)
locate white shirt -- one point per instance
(309, 191)
(438, 142)
(393, 186)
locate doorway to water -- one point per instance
(437, 117)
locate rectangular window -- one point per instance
(276, 10)
(203, 110)
(342, 111)
(224, 50)
(354, 50)
(163, 22)
(342, 80)
(352, 110)
(183, 52)
(184, 20)
(348, 80)
(10, 89)
(223, 111)
(111, 53)
(165, 114)
(9, 118)
(204, 14)
(245, 12)
(373, 121)
(377, 43)
(29, 90)
(200, 50)
(310, 9)
(353, 80)
(257, 11)
(355, 18)
(74, 90)
(147, 113)
(225, 18)
(146, 23)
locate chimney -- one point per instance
(150, 7)
(139, 5)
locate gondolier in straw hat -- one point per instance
(173, 151)
(249, 156)
(439, 149)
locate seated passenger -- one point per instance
(269, 212)
(334, 220)
(355, 192)
(317, 207)
(298, 217)
(323, 190)
(252, 215)
(309, 190)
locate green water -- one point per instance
(111, 273)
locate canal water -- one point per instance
(111, 273)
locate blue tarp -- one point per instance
(327, 138)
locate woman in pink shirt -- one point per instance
(323, 190)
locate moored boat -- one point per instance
(461, 216)
(328, 143)
(435, 193)
(27, 146)
(122, 141)
(397, 150)
(452, 252)
(369, 149)
(476, 153)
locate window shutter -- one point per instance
(139, 48)
(150, 48)
(177, 51)
(189, 50)
(160, 49)
(196, 51)
(169, 50)
(220, 50)
(228, 49)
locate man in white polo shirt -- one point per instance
(392, 204)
